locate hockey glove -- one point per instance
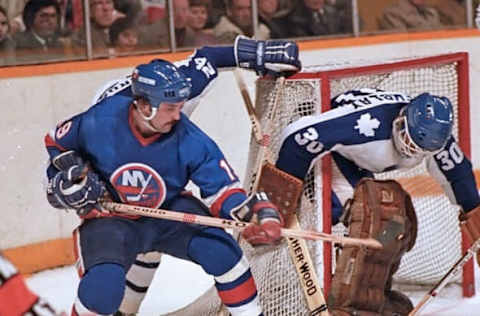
(71, 189)
(276, 56)
(470, 223)
(270, 222)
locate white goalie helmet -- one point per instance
(423, 126)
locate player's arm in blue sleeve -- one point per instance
(277, 56)
(454, 172)
(219, 185)
(63, 138)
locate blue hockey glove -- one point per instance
(71, 189)
(270, 221)
(275, 56)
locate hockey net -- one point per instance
(439, 243)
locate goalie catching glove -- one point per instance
(270, 221)
(277, 56)
(73, 187)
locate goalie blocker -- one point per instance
(363, 277)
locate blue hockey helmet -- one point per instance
(160, 81)
(424, 125)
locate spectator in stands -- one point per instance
(71, 16)
(7, 45)
(270, 13)
(477, 17)
(41, 39)
(184, 35)
(346, 10)
(198, 19)
(451, 12)
(14, 9)
(238, 21)
(314, 18)
(102, 15)
(123, 36)
(156, 35)
(409, 14)
(216, 11)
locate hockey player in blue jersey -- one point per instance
(136, 147)
(369, 131)
(201, 68)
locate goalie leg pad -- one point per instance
(383, 210)
(283, 189)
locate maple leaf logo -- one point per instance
(366, 125)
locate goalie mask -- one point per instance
(160, 82)
(423, 126)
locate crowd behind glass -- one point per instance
(40, 31)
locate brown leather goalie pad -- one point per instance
(283, 189)
(361, 285)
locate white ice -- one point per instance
(178, 283)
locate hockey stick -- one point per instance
(315, 299)
(446, 278)
(180, 216)
(256, 127)
(262, 139)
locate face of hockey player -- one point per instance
(402, 140)
(166, 116)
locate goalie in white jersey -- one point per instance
(369, 131)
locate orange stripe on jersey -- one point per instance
(240, 293)
(15, 297)
(217, 205)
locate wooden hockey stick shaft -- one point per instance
(297, 248)
(446, 278)
(256, 127)
(180, 216)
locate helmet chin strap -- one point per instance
(147, 119)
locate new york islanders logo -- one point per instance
(139, 184)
